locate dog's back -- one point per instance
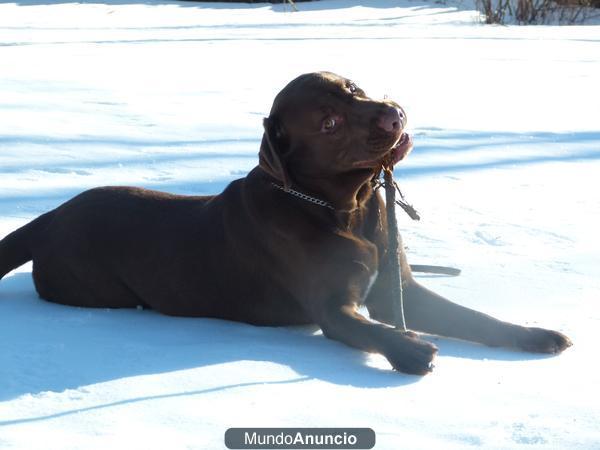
(123, 247)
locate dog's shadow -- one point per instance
(49, 347)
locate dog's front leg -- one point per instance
(431, 313)
(428, 312)
(405, 351)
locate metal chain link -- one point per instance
(302, 196)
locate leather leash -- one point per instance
(394, 244)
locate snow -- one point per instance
(170, 95)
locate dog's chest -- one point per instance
(367, 273)
(372, 280)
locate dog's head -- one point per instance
(323, 125)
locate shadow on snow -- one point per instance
(50, 347)
(277, 7)
(531, 148)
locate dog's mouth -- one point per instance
(394, 155)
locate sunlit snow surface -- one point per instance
(167, 95)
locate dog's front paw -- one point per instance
(412, 355)
(540, 340)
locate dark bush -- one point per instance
(536, 11)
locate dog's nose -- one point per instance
(392, 119)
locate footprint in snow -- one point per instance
(489, 239)
(521, 435)
(65, 171)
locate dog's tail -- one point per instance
(15, 249)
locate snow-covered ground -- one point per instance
(170, 95)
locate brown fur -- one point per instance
(257, 254)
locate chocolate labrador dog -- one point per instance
(300, 240)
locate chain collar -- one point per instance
(302, 196)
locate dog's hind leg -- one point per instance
(16, 248)
(82, 285)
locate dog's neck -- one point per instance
(346, 192)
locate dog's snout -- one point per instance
(393, 119)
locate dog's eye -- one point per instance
(328, 124)
(352, 88)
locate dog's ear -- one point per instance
(273, 148)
